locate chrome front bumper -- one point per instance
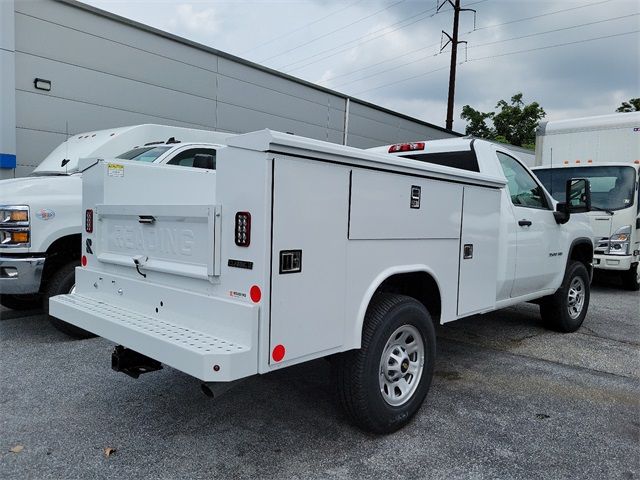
(20, 275)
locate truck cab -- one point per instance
(41, 214)
(534, 245)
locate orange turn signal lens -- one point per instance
(19, 237)
(19, 216)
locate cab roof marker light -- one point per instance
(406, 147)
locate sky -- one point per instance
(575, 58)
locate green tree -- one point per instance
(633, 105)
(477, 122)
(513, 122)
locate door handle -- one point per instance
(524, 223)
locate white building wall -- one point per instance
(7, 88)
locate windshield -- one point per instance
(612, 188)
(144, 154)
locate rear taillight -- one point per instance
(406, 147)
(243, 229)
(88, 221)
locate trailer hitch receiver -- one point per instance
(132, 363)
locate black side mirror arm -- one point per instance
(561, 214)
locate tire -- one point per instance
(565, 310)
(367, 378)
(61, 282)
(631, 279)
(31, 301)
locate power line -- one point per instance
(386, 70)
(553, 46)
(500, 55)
(537, 16)
(473, 46)
(554, 30)
(383, 62)
(446, 67)
(332, 31)
(415, 18)
(384, 31)
(302, 27)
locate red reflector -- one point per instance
(255, 293)
(278, 353)
(406, 147)
(243, 229)
(84, 260)
(88, 221)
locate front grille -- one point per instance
(601, 245)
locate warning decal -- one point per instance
(115, 170)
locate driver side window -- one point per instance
(185, 159)
(523, 189)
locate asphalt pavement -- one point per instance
(509, 400)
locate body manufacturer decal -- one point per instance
(45, 214)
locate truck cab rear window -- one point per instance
(465, 160)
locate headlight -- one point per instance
(14, 226)
(619, 243)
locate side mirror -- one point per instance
(578, 200)
(578, 195)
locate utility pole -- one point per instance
(453, 40)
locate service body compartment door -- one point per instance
(478, 250)
(310, 218)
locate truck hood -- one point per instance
(24, 191)
(54, 202)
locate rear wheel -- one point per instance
(61, 282)
(631, 279)
(382, 385)
(565, 310)
(30, 301)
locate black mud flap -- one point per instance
(132, 363)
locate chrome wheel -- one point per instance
(401, 365)
(575, 297)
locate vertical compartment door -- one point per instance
(477, 281)
(310, 218)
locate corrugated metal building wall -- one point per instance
(107, 71)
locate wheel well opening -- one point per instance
(62, 251)
(583, 253)
(419, 285)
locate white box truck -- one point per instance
(606, 150)
(40, 215)
(296, 249)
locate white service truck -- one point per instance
(296, 249)
(40, 215)
(604, 149)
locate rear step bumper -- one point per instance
(207, 357)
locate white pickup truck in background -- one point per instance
(40, 215)
(295, 249)
(604, 149)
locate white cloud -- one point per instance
(197, 21)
